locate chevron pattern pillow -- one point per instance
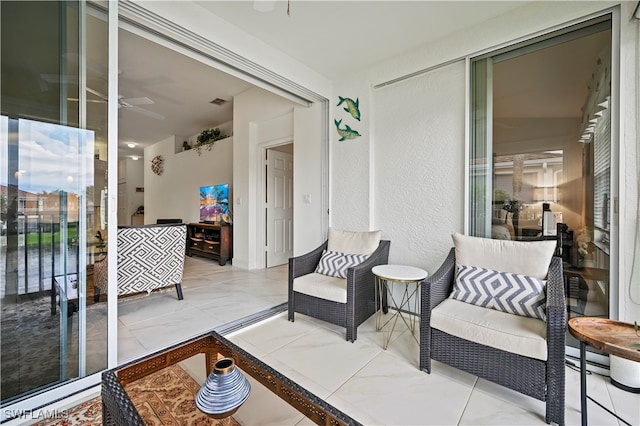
(335, 264)
(503, 291)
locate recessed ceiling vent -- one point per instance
(218, 101)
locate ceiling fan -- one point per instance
(127, 103)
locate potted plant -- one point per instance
(207, 138)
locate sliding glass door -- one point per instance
(53, 163)
(540, 153)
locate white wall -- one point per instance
(252, 110)
(176, 193)
(130, 177)
(355, 165)
(417, 180)
(307, 180)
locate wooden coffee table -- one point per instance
(611, 337)
(118, 409)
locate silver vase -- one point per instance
(224, 391)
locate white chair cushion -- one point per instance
(353, 242)
(322, 286)
(530, 258)
(511, 333)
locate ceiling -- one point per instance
(331, 37)
(181, 89)
(334, 38)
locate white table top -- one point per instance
(67, 285)
(399, 273)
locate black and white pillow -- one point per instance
(503, 291)
(335, 264)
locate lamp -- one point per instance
(545, 194)
(224, 391)
(548, 221)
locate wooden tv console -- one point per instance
(210, 240)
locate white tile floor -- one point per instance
(370, 384)
(213, 295)
(377, 387)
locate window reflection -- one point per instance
(48, 214)
(525, 185)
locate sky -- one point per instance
(51, 157)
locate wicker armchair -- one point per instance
(360, 285)
(541, 379)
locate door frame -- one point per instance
(261, 175)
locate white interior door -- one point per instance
(279, 206)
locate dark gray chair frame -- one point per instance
(539, 379)
(360, 291)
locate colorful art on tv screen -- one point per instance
(214, 201)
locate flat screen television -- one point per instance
(214, 201)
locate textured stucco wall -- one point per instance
(418, 153)
(355, 172)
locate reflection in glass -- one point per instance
(52, 171)
(540, 154)
(48, 216)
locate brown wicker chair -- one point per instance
(542, 380)
(360, 291)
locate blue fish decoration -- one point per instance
(352, 107)
(347, 132)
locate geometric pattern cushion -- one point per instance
(335, 264)
(503, 291)
(150, 257)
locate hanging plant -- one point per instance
(207, 138)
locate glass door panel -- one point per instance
(540, 154)
(52, 165)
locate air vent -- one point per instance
(218, 101)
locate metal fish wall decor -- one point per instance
(347, 132)
(351, 106)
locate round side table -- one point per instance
(411, 277)
(609, 336)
